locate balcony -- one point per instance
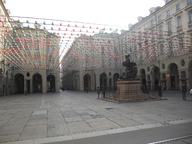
(179, 29)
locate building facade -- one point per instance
(29, 57)
(91, 62)
(6, 69)
(160, 44)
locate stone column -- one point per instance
(1, 85)
(81, 83)
(92, 81)
(152, 81)
(187, 81)
(112, 83)
(25, 85)
(97, 80)
(168, 83)
(44, 82)
(31, 86)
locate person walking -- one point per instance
(98, 91)
(184, 90)
(160, 90)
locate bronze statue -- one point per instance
(131, 69)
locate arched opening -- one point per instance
(174, 77)
(50, 83)
(103, 81)
(190, 74)
(115, 79)
(87, 82)
(19, 83)
(37, 83)
(143, 77)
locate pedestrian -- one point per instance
(160, 90)
(98, 91)
(103, 91)
(184, 90)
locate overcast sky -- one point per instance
(112, 12)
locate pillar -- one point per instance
(25, 85)
(81, 81)
(187, 81)
(97, 80)
(31, 86)
(44, 82)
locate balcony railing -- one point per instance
(179, 28)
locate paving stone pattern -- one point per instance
(37, 116)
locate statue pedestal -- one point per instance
(129, 91)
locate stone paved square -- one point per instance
(68, 113)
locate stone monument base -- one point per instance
(129, 91)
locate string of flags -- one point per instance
(48, 44)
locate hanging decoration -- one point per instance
(47, 44)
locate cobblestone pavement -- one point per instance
(39, 118)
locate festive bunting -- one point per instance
(33, 43)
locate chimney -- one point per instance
(139, 18)
(152, 10)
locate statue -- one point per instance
(131, 69)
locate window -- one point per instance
(189, 1)
(160, 29)
(168, 13)
(159, 18)
(179, 23)
(177, 7)
(169, 27)
(190, 16)
(152, 22)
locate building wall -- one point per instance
(26, 50)
(6, 70)
(167, 55)
(159, 43)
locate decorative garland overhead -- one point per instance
(47, 44)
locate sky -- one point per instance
(109, 12)
(111, 15)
